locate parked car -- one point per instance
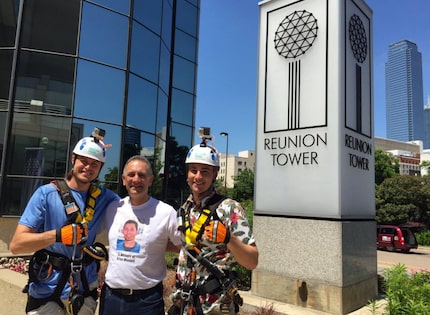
(392, 237)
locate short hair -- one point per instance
(131, 222)
(139, 158)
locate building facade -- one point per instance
(232, 165)
(426, 117)
(67, 66)
(404, 92)
(409, 154)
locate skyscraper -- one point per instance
(426, 142)
(404, 92)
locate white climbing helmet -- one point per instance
(91, 148)
(203, 154)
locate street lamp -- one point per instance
(225, 134)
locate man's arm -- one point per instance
(26, 240)
(246, 255)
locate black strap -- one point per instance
(214, 201)
(71, 207)
(47, 259)
(212, 204)
(67, 199)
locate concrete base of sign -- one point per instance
(319, 264)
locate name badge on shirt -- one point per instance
(71, 208)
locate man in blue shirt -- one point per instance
(63, 275)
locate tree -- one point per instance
(175, 187)
(111, 178)
(243, 185)
(386, 166)
(156, 189)
(404, 198)
(219, 186)
(425, 166)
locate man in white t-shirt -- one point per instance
(133, 280)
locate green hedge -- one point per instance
(423, 238)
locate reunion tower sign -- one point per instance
(315, 112)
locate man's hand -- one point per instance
(72, 234)
(216, 232)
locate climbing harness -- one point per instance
(219, 281)
(43, 262)
(70, 206)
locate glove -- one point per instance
(216, 232)
(72, 234)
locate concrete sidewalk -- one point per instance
(252, 302)
(13, 300)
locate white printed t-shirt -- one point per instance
(144, 265)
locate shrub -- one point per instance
(243, 277)
(423, 238)
(407, 292)
(171, 260)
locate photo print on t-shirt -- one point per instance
(129, 236)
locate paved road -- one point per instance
(414, 260)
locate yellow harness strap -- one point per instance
(91, 203)
(193, 235)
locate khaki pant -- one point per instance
(52, 308)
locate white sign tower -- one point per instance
(314, 180)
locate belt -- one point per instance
(135, 292)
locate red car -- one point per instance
(392, 237)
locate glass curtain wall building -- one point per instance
(404, 92)
(426, 142)
(67, 66)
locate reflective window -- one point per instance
(187, 17)
(183, 135)
(99, 92)
(122, 6)
(104, 35)
(164, 74)
(82, 128)
(195, 2)
(185, 45)
(183, 74)
(138, 143)
(44, 83)
(148, 12)
(39, 145)
(51, 25)
(166, 30)
(162, 112)
(18, 192)
(142, 104)
(3, 116)
(177, 188)
(6, 57)
(182, 107)
(8, 18)
(145, 53)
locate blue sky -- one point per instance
(227, 73)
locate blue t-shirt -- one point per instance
(44, 212)
(121, 246)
